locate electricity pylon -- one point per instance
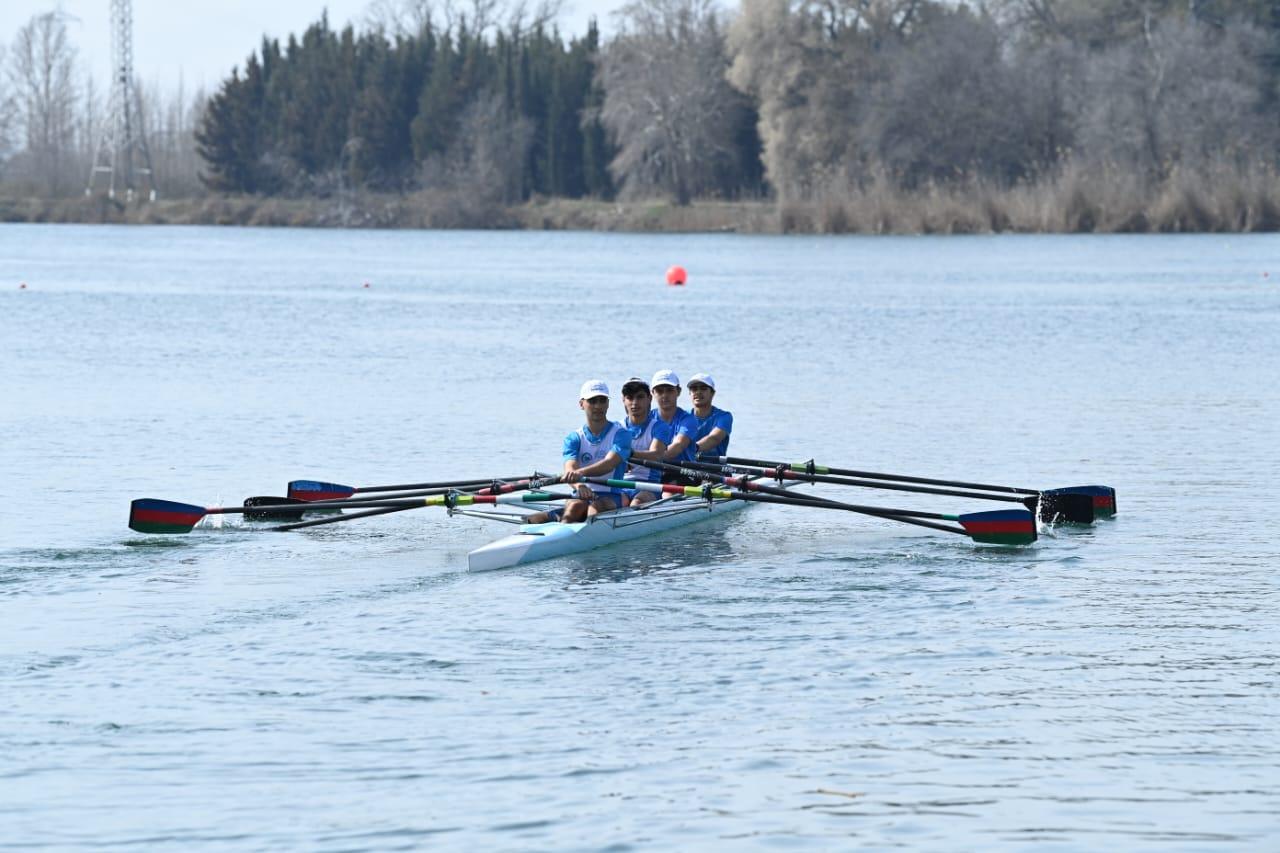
(122, 151)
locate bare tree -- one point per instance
(8, 114)
(42, 69)
(811, 68)
(668, 105)
(486, 161)
(1181, 94)
(950, 106)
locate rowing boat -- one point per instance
(536, 542)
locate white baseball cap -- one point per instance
(665, 377)
(704, 378)
(593, 388)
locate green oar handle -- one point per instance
(807, 467)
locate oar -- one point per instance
(300, 506)
(151, 515)
(1101, 500)
(316, 490)
(499, 488)
(1000, 527)
(271, 500)
(786, 473)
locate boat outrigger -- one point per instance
(728, 484)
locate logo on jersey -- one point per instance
(584, 458)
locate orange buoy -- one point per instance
(676, 276)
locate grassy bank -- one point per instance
(1076, 201)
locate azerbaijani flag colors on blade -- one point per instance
(1000, 527)
(149, 515)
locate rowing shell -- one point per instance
(543, 541)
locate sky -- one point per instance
(199, 41)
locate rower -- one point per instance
(599, 448)
(650, 436)
(666, 390)
(714, 425)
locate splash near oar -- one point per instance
(275, 514)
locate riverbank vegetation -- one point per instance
(891, 116)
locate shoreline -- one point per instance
(1031, 210)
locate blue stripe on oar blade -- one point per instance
(149, 515)
(1000, 527)
(314, 490)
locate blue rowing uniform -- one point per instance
(587, 447)
(717, 418)
(683, 424)
(642, 439)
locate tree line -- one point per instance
(790, 99)
(500, 115)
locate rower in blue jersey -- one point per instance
(666, 390)
(650, 436)
(714, 425)
(598, 448)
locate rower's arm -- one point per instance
(712, 439)
(656, 452)
(677, 446)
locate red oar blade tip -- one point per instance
(149, 515)
(1000, 527)
(315, 490)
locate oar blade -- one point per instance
(1103, 498)
(315, 490)
(1066, 505)
(1000, 527)
(150, 515)
(273, 514)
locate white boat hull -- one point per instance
(537, 542)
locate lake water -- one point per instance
(788, 678)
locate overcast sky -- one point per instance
(202, 39)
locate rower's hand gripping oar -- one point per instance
(1075, 504)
